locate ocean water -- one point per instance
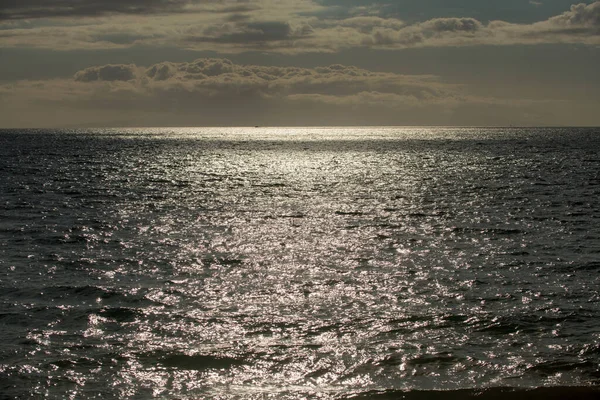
(328, 263)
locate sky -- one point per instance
(94, 63)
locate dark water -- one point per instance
(300, 263)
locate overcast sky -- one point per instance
(67, 63)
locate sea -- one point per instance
(300, 263)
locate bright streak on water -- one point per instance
(181, 263)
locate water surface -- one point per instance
(285, 263)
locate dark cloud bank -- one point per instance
(25, 9)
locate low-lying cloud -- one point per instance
(215, 91)
(222, 78)
(107, 73)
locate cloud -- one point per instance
(368, 23)
(107, 73)
(230, 26)
(208, 79)
(579, 25)
(250, 32)
(221, 78)
(580, 15)
(30, 9)
(223, 25)
(216, 91)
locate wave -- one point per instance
(545, 393)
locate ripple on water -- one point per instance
(332, 263)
